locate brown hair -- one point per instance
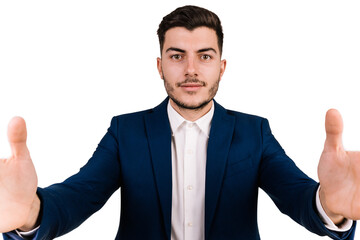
(191, 17)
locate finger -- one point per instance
(17, 135)
(334, 129)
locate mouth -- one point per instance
(191, 86)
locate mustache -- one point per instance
(191, 80)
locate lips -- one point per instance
(191, 86)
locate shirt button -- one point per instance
(190, 224)
(190, 125)
(190, 187)
(190, 151)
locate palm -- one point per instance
(18, 180)
(339, 172)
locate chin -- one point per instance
(191, 105)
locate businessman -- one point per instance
(188, 168)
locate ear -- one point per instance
(159, 67)
(222, 67)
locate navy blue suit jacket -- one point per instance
(135, 156)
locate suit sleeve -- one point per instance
(291, 190)
(66, 205)
(14, 236)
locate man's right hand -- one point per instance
(19, 204)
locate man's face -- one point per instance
(191, 66)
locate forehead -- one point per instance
(188, 40)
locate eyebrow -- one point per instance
(183, 51)
(175, 49)
(206, 49)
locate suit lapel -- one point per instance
(159, 136)
(222, 128)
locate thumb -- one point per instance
(334, 129)
(17, 135)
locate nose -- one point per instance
(191, 68)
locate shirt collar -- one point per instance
(176, 120)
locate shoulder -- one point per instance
(240, 117)
(245, 121)
(140, 115)
(129, 120)
(132, 115)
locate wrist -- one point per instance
(337, 219)
(34, 216)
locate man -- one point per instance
(187, 169)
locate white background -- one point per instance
(67, 67)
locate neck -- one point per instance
(191, 114)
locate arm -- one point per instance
(66, 205)
(291, 190)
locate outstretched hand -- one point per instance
(18, 182)
(339, 173)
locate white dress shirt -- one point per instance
(188, 154)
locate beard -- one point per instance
(192, 106)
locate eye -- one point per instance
(176, 57)
(206, 57)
